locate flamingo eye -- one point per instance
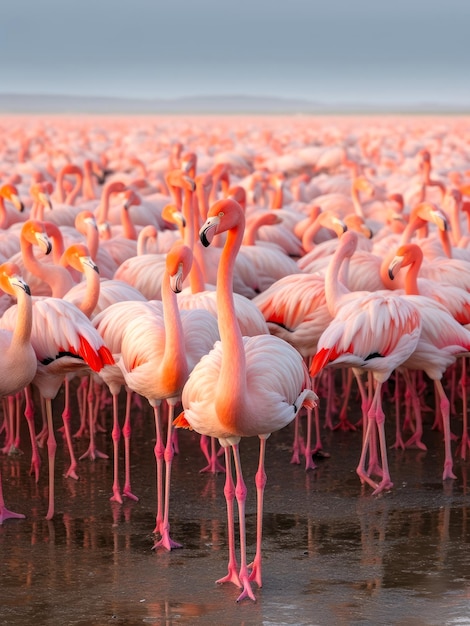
(221, 214)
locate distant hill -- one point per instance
(233, 104)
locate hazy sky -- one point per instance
(375, 51)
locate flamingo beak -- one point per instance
(208, 230)
(394, 266)
(176, 281)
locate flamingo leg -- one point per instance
(51, 450)
(445, 411)
(126, 431)
(92, 451)
(309, 464)
(159, 451)
(229, 492)
(260, 481)
(240, 494)
(166, 541)
(29, 415)
(70, 473)
(116, 435)
(465, 441)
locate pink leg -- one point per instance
(229, 492)
(159, 451)
(51, 449)
(166, 541)
(70, 473)
(208, 447)
(126, 431)
(4, 512)
(465, 441)
(29, 415)
(416, 437)
(240, 494)
(444, 405)
(296, 448)
(116, 435)
(399, 443)
(386, 482)
(344, 423)
(16, 442)
(92, 451)
(309, 464)
(9, 411)
(260, 481)
(375, 416)
(82, 393)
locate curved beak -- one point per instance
(19, 282)
(208, 230)
(394, 266)
(45, 199)
(87, 261)
(176, 280)
(17, 202)
(44, 242)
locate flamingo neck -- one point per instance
(92, 292)
(128, 227)
(278, 198)
(335, 289)
(253, 226)
(233, 352)
(73, 194)
(24, 320)
(58, 278)
(174, 365)
(356, 200)
(411, 279)
(197, 272)
(88, 188)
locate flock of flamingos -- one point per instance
(240, 275)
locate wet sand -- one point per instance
(333, 553)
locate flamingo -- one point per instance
(18, 364)
(245, 386)
(370, 331)
(442, 340)
(64, 341)
(157, 354)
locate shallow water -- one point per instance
(333, 553)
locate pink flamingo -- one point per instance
(157, 354)
(246, 386)
(374, 332)
(9, 216)
(64, 341)
(443, 339)
(18, 364)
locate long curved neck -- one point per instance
(356, 200)
(335, 289)
(72, 195)
(253, 226)
(58, 278)
(59, 194)
(128, 227)
(92, 292)
(232, 374)
(88, 188)
(103, 209)
(174, 363)
(197, 271)
(24, 321)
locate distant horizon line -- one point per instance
(213, 103)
